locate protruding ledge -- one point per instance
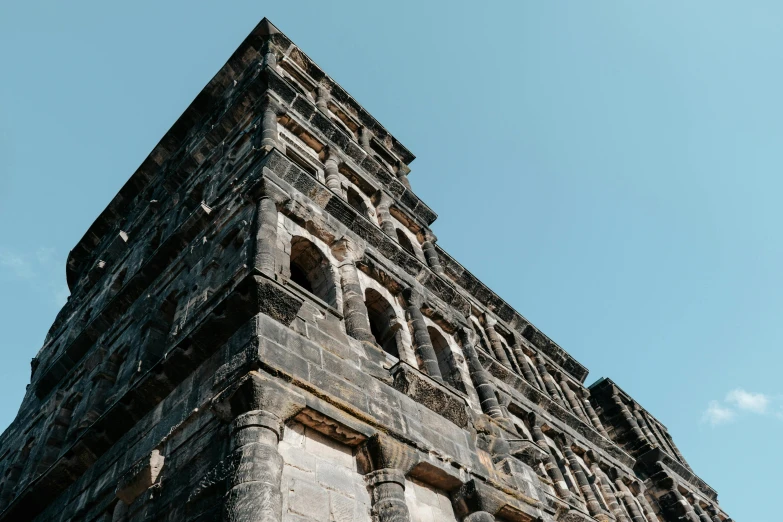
(429, 393)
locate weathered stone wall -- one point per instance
(320, 479)
(427, 503)
(262, 327)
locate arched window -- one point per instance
(445, 358)
(311, 270)
(356, 201)
(405, 243)
(383, 321)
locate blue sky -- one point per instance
(612, 169)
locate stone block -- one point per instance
(341, 508)
(433, 395)
(335, 477)
(328, 450)
(309, 500)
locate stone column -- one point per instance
(388, 461)
(495, 343)
(332, 172)
(642, 422)
(550, 464)
(714, 514)
(270, 59)
(629, 418)
(479, 516)
(322, 99)
(257, 409)
(703, 517)
(571, 398)
(480, 377)
(385, 216)
(402, 174)
(265, 252)
(524, 365)
(388, 495)
(584, 486)
(669, 497)
(364, 140)
(604, 483)
(357, 323)
(422, 343)
(549, 382)
(592, 413)
(254, 492)
(432, 256)
(270, 109)
(614, 504)
(690, 514)
(649, 513)
(629, 501)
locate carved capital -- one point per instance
(347, 250)
(385, 475)
(594, 457)
(381, 452)
(430, 393)
(258, 392)
(467, 335)
(533, 419)
(476, 496)
(385, 201)
(528, 452)
(270, 103)
(334, 154)
(364, 139)
(413, 297)
(490, 321)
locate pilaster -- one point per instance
(422, 343)
(256, 409)
(389, 461)
(387, 225)
(480, 377)
(357, 323)
(495, 342)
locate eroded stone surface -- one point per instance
(262, 327)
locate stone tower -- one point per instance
(263, 328)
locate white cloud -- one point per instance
(716, 414)
(752, 402)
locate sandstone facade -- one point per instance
(262, 327)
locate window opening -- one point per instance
(444, 356)
(383, 321)
(311, 270)
(405, 243)
(356, 201)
